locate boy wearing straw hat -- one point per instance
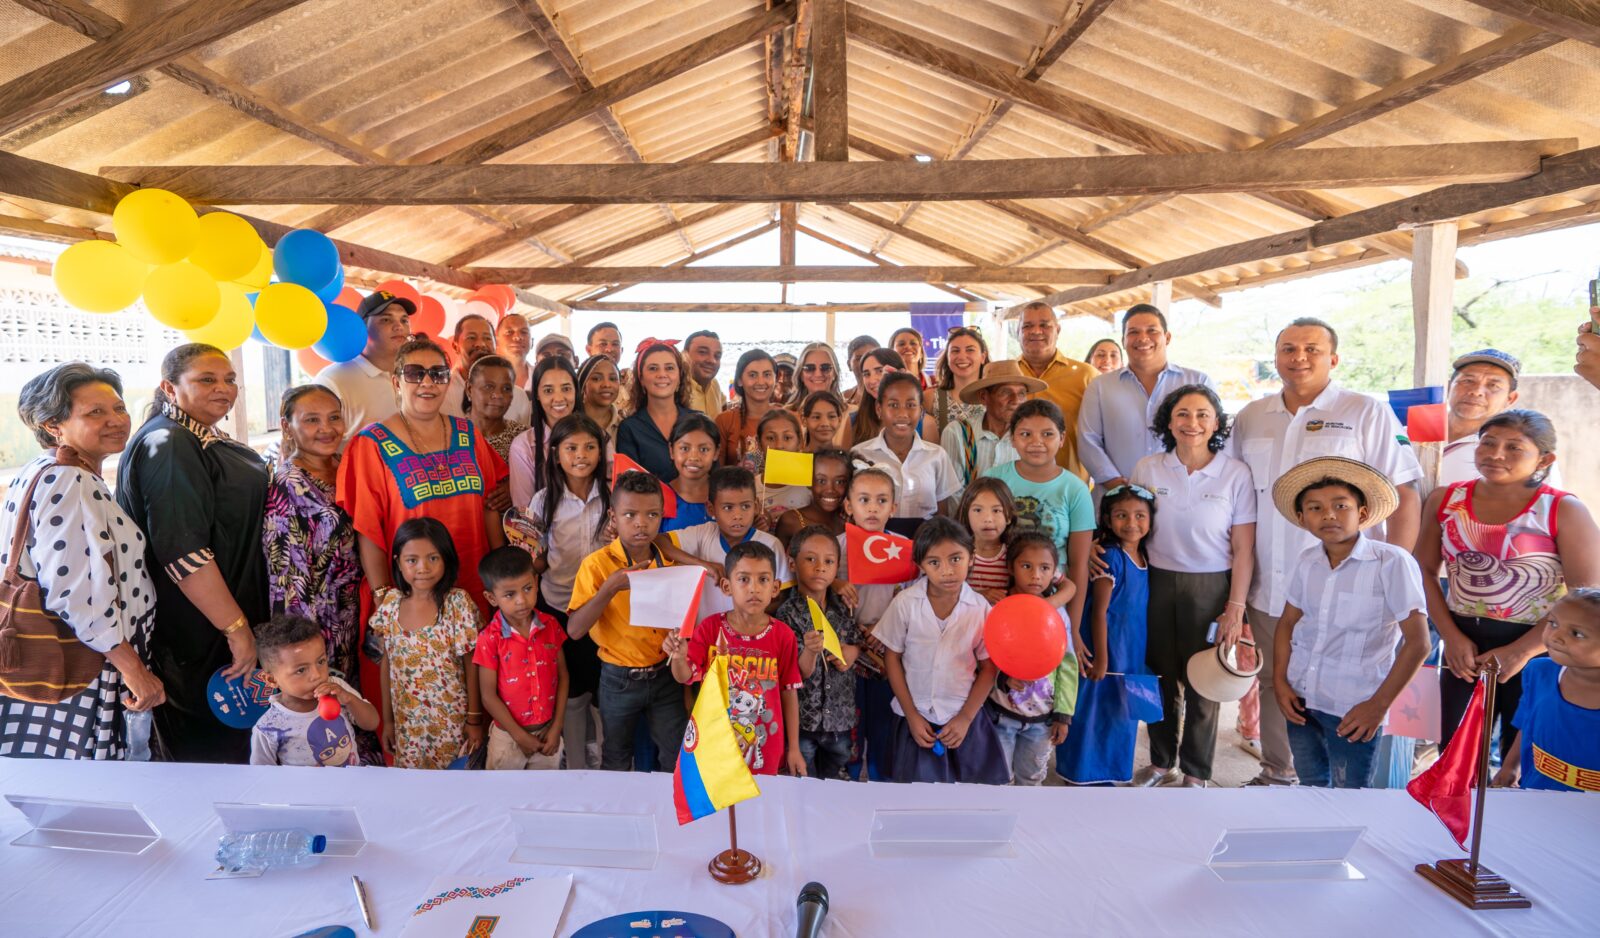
(1353, 630)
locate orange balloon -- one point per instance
(1026, 637)
(311, 361)
(402, 289)
(349, 299)
(498, 295)
(429, 318)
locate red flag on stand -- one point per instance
(1446, 787)
(669, 498)
(877, 557)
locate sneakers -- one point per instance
(1150, 776)
(1267, 779)
(1252, 746)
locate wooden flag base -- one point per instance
(733, 866)
(1485, 890)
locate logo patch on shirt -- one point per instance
(1214, 497)
(1315, 426)
(1163, 491)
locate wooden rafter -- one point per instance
(589, 306)
(918, 237)
(854, 251)
(642, 238)
(503, 139)
(128, 52)
(1574, 19)
(518, 233)
(830, 87)
(965, 180)
(1068, 34)
(1575, 170)
(1518, 43)
(545, 27)
(699, 255)
(790, 274)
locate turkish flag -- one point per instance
(669, 498)
(876, 558)
(1446, 787)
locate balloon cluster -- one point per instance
(212, 278)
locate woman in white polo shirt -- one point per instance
(1201, 559)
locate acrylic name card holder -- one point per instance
(94, 826)
(936, 832)
(578, 838)
(1300, 854)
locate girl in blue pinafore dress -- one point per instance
(1100, 744)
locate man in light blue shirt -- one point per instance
(1114, 422)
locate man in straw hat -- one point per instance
(1311, 417)
(977, 443)
(1354, 629)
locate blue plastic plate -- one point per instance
(655, 924)
(240, 703)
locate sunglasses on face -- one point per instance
(823, 368)
(413, 374)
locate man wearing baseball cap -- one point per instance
(362, 383)
(555, 344)
(1483, 384)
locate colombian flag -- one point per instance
(711, 772)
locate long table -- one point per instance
(1088, 861)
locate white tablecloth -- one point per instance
(1089, 861)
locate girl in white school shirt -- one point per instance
(925, 479)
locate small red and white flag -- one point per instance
(667, 598)
(877, 557)
(669, 498)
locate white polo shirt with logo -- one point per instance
(1196, 512)
(1271, 441)
(366, 393)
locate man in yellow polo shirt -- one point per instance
(1066, 379)
(635, 680)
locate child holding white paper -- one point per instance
(763, 667)
(731, 496)
(635, 682)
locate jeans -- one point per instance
(826, 754)
(623, 700)
(1324, 759)
(1026, 746)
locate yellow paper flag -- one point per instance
(786, 468)
(830, 638)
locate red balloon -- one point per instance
(402, 289)
(349, 299)
(498, 295)
(328, 707)
(429, 318)
(1026, 637)
(311, 361)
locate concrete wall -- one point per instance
(1573, 404)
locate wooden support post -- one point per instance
(237, 423)
(1161, 296)
(831, 319)
(1433, 300)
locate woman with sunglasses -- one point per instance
(422, 464)
(818, 370)
(1201, 561)
(965, 354)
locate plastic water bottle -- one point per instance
(263, 850)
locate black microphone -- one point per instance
(809, 910)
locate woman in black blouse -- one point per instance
(199, 498)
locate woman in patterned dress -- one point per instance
(78, 416)
(312, 566)
(1511, 545)
(198, 496)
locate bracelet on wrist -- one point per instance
(1235, 602)
(236, 625)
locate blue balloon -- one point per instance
(345, 336)
(255, 331)
(330, 292)
(306, 257)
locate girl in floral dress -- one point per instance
(428, 629)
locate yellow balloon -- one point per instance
(181, 295)
(231, 326)
(261, 274)
(99, 276)
(290, 316)
(157, 226)
(229, 247)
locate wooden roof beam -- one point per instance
(1066, 35)
(854, 251)
(1518, 43)
(589, 306)
(830, 86)
(964, 180)
(790, 274)
(152, 43)
(1574, 19)
(699, 255)
(501, 140)
(1576, 170)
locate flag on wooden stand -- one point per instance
(1446, 787)
(711, 773)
